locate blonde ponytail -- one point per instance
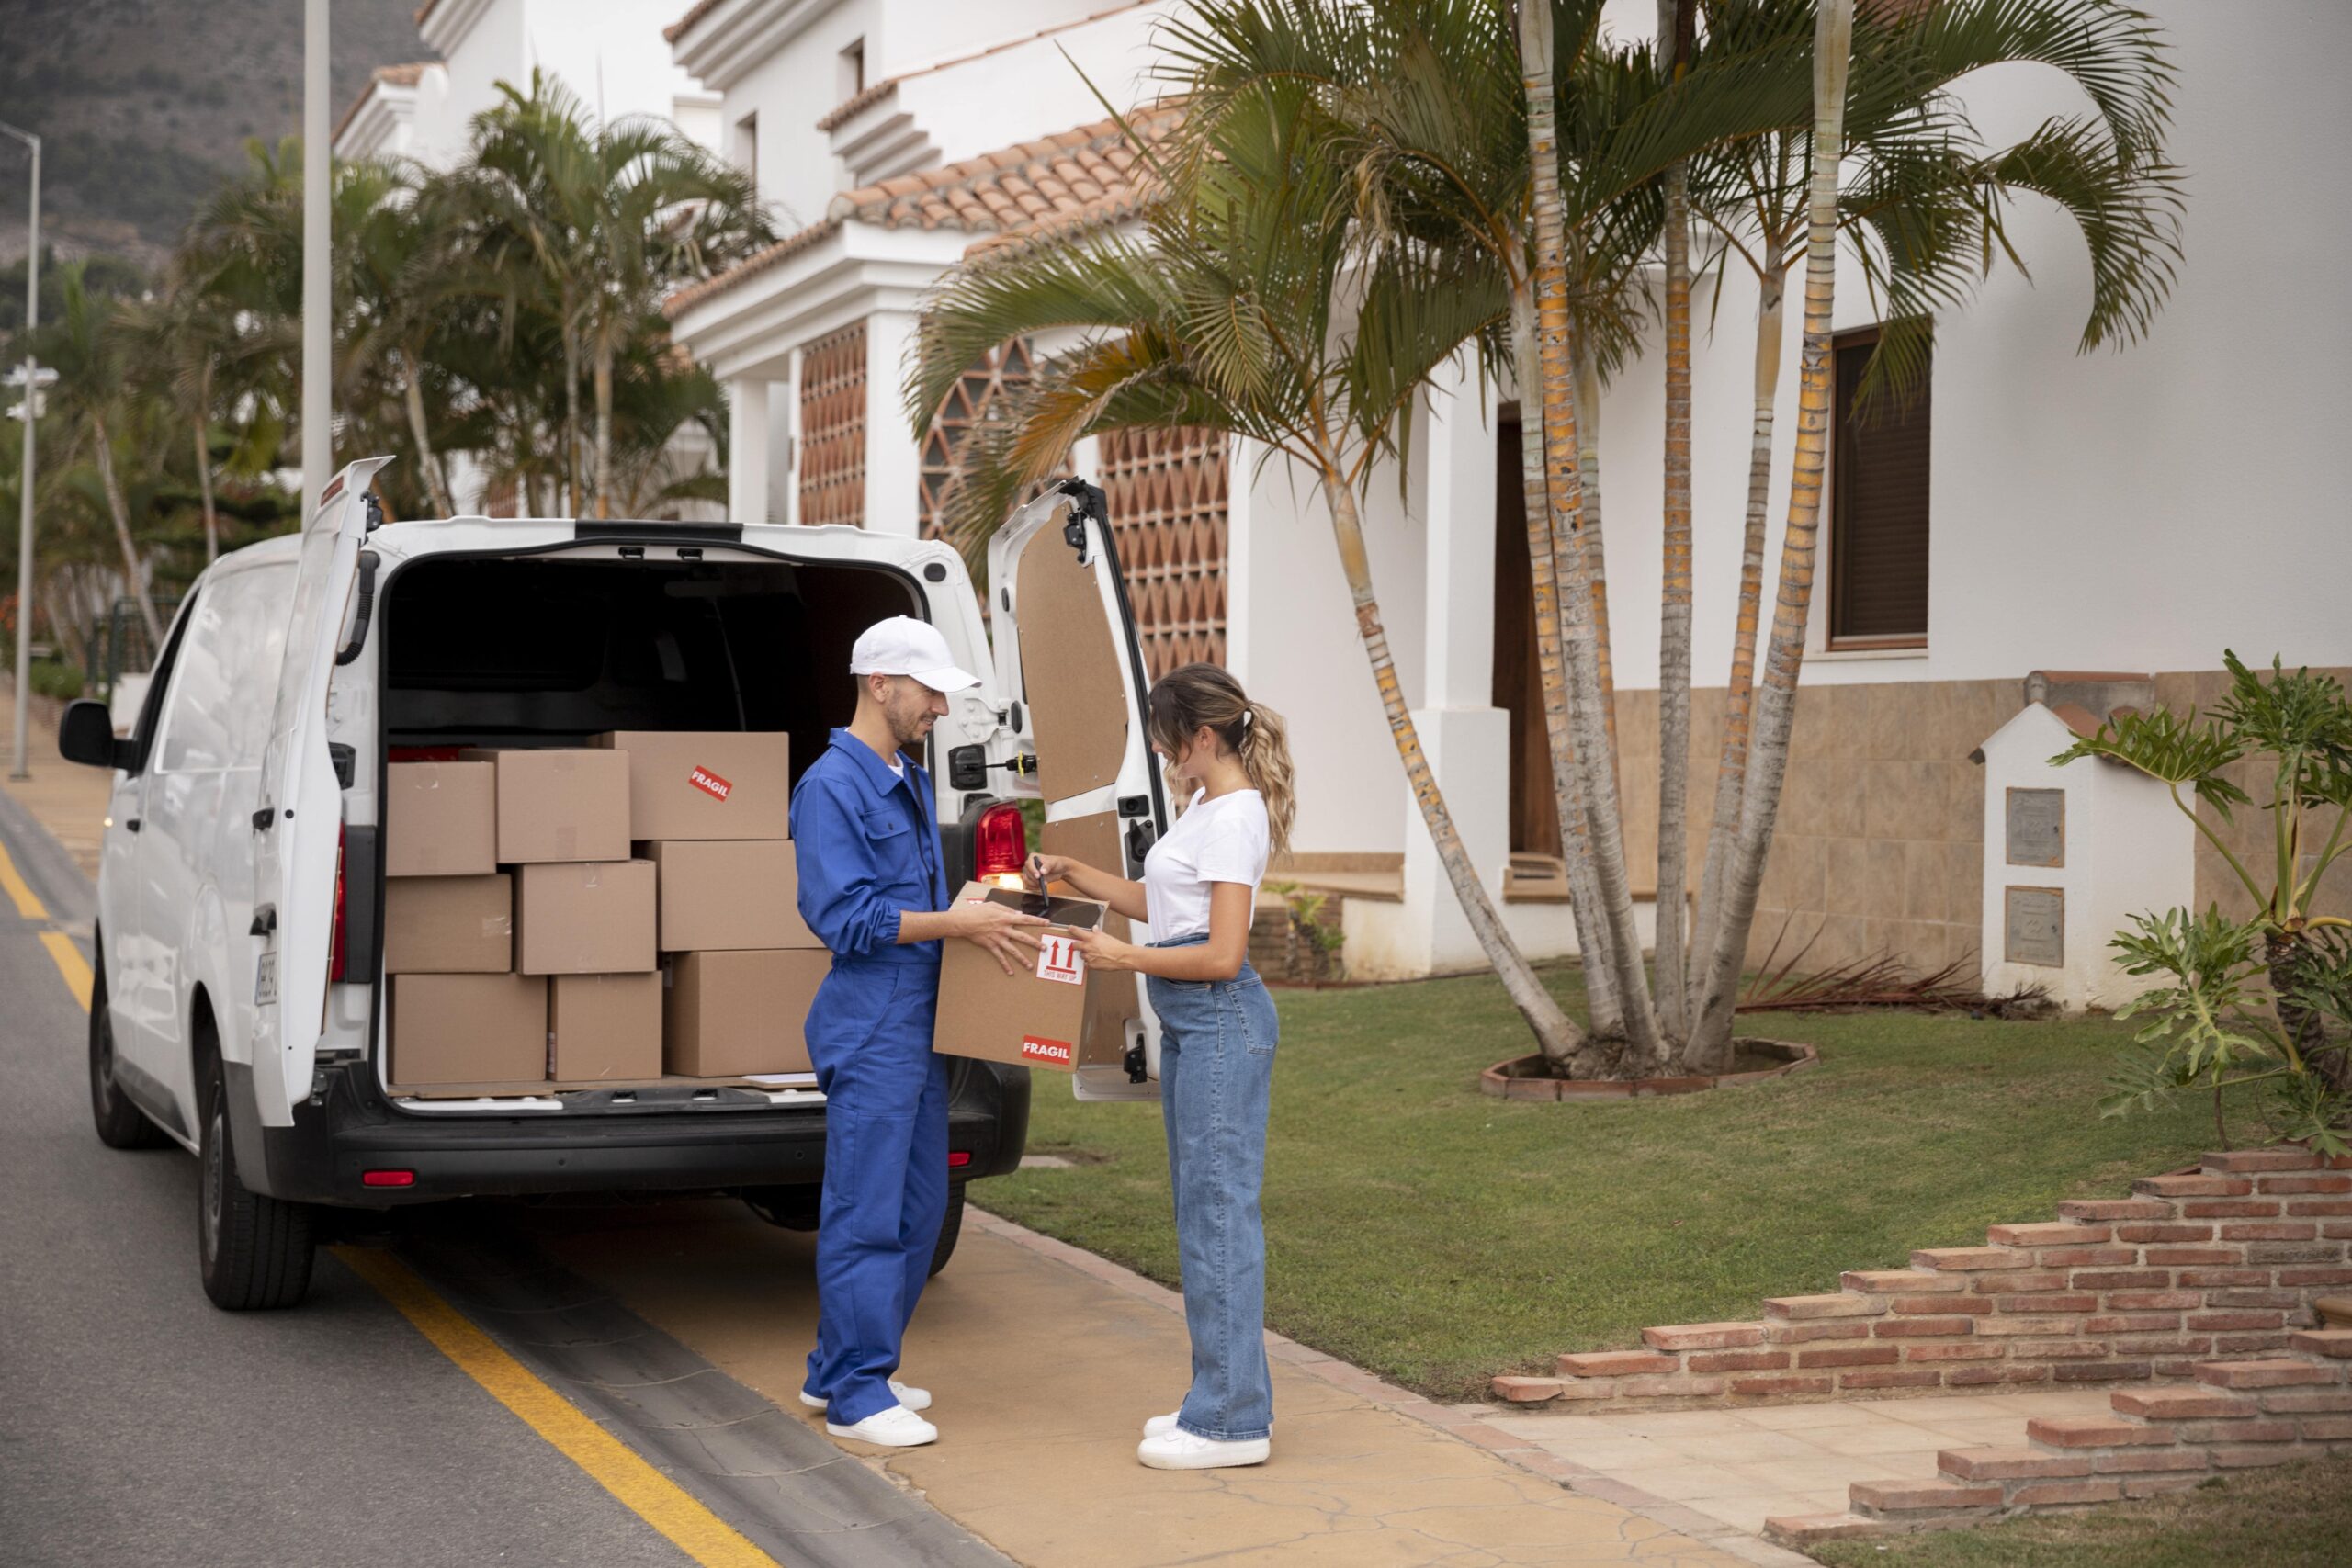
(1195, 694)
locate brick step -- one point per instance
(2280, 1372)
(1842, 1303)
(1799, 1531)
(1703, 1336)
(1981, 1465)
(1971, 1260)
(2329, 1344)
(2181, 1404)
(1618, 1363)
(2065, 1432)
(1913, 1499)
(2115, 1209)
(2059, 1233)
(2241, 1162)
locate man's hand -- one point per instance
(993, 927)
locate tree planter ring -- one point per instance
(1528, 1078)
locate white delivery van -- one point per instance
(239, 1008)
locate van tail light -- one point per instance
(958, 1158)
(334, 967)
(1000, 846)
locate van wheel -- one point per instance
(255, 1252)
(122, 1125)
(949, 1229)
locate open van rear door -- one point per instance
(1068, 662)
(298, 829)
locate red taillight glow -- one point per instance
(958, 1158)
(388, 1178)
(999, 843)
(334, 968)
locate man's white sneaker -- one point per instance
(913, 1398)
(1179, 1450)
(897, 1428)
(1160, 1425)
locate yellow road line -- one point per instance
(611, 1463)
(27, 906)
(70, 964)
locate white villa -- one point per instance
(2114, 521)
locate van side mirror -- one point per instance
(85, 735)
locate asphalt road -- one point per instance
(139, 1423)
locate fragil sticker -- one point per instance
(1041, 1050)
(1061, 958)
(710, 784)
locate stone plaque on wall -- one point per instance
(2037, 824)
(2034, 927)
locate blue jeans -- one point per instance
(886, 1174)
(1216, 1077)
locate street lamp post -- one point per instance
(18, 765)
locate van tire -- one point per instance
(949, 1229)
(120, 1123)
(253, 1252)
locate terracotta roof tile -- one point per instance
(750, 266)
(857, 104)
(678, 28)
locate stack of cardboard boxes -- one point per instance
(534, 894)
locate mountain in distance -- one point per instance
(142, 105)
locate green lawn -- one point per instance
(1419, 1228)
(2299, 1517)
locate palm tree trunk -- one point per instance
(1565, 486)
(428, 463)
(1590, 534)
(1556, 1034)
(604, 374)
(571, 420)
(204, 464)
(1731, 772)
(1776, 697)
(1671, 983)
(1593, 944)
(119, 510)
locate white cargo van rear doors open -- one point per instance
(298, 827)
(1067, 659)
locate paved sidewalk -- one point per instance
(1044, 1367)
(66, 798)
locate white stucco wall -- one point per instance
(2121, 511)
(789, 90)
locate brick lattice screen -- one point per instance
(967, 406)
(832, 428)
(1168, 492)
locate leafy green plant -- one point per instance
(54, 678)
(2210, 1024)
(1306, 936)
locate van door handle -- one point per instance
(265, 919)
(130, 823)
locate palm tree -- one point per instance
(98, 409)
(595, 223)
(1228, 315)
(176, 340)
(401, 246)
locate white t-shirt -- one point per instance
(1225, 839)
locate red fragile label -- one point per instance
(710, 784)
(1055, 1051)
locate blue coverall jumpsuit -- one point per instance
(868, 846)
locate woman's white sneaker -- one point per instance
(913, 1398)
(897, 1428)
(1160, 1425)
(1179, 1450)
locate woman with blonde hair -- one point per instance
(1217, 1043)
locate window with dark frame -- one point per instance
(1878, 506)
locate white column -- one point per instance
(893, 457)
(747, 450)
(783, 434)
(1466, 737)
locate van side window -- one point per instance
(217, 715)
(159, 683)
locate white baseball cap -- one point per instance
(904, 646)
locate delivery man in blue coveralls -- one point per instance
(874, 891)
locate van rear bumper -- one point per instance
(349, 1129)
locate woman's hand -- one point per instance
(1104, 951)
(1041, 869)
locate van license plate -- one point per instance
(266, 981)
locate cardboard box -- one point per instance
(449, 925)
(722, 896)
(604, 1026)
(469, 1029)
(702, 784)
(732, 1014)
(584, 918)
(1036, 1016)
(440, 819)
(560, 804)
